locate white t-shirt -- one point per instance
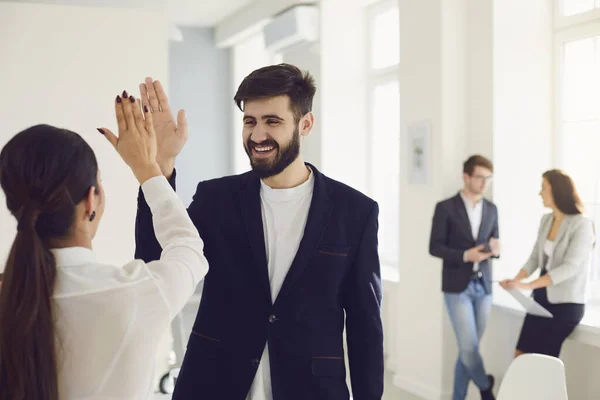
(548, 251)
(475, 213)
(284, 215)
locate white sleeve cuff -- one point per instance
(156, 190)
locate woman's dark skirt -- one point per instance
(546, 335)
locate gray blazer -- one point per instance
(570, 262)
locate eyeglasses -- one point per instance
(482, 178)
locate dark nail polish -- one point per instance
(100, 130)
(132, 99)
(118, 99)
(145, 108)
(125, 94)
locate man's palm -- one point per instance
(171, 135)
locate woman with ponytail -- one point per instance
(70, 327)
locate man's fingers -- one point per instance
(144, 96)
(137, 115)
(148, 121)
(128, 105)
(163, 100)
(152, 97)
(109, 136)
(121, 123)
(182, 122)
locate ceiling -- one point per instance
(181, 12)
(202, 12)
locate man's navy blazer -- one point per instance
(333, 280)
(451, 236)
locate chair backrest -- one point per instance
(534, 377)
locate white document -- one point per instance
(530, 305)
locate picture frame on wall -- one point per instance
(419, 134)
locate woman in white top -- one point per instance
(70, 327)
(562, 252)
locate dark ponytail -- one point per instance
(27, 321)
(44, 172)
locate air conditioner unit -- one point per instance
(295, 26)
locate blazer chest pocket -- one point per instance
(334, 251)
(202, 354)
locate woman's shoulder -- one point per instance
(581, 224)
(577, 219)
(95, 278)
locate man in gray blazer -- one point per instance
(464, 234)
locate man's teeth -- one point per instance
(263, 149)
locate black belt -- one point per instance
(476, 275)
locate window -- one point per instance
(574, 7)
(383, 107)
(569, 13)
(578, 116)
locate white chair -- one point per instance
(534, 377)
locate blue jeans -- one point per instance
(469, 311)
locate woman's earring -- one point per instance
(92, 216)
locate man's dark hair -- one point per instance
(279, 80)
(477, 161)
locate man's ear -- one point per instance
(306, 124)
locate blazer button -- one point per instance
(255, 362)
(272, 318)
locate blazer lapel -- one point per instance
(546, 228)
(318, 217)
(249, 199)
(562, 229)
(485, 219)
(544, 231)
(462, 213)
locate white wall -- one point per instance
(343, 91)
(479, 70)
(522, 123)
(199, 82)
(64, 65)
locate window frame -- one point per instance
(562, 21)
(568, 29)
(376, 77)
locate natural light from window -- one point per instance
(578, 124)
(383, 107)
(574, 7)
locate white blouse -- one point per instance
(109, 320)
(548, 251)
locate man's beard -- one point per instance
(266, 168)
